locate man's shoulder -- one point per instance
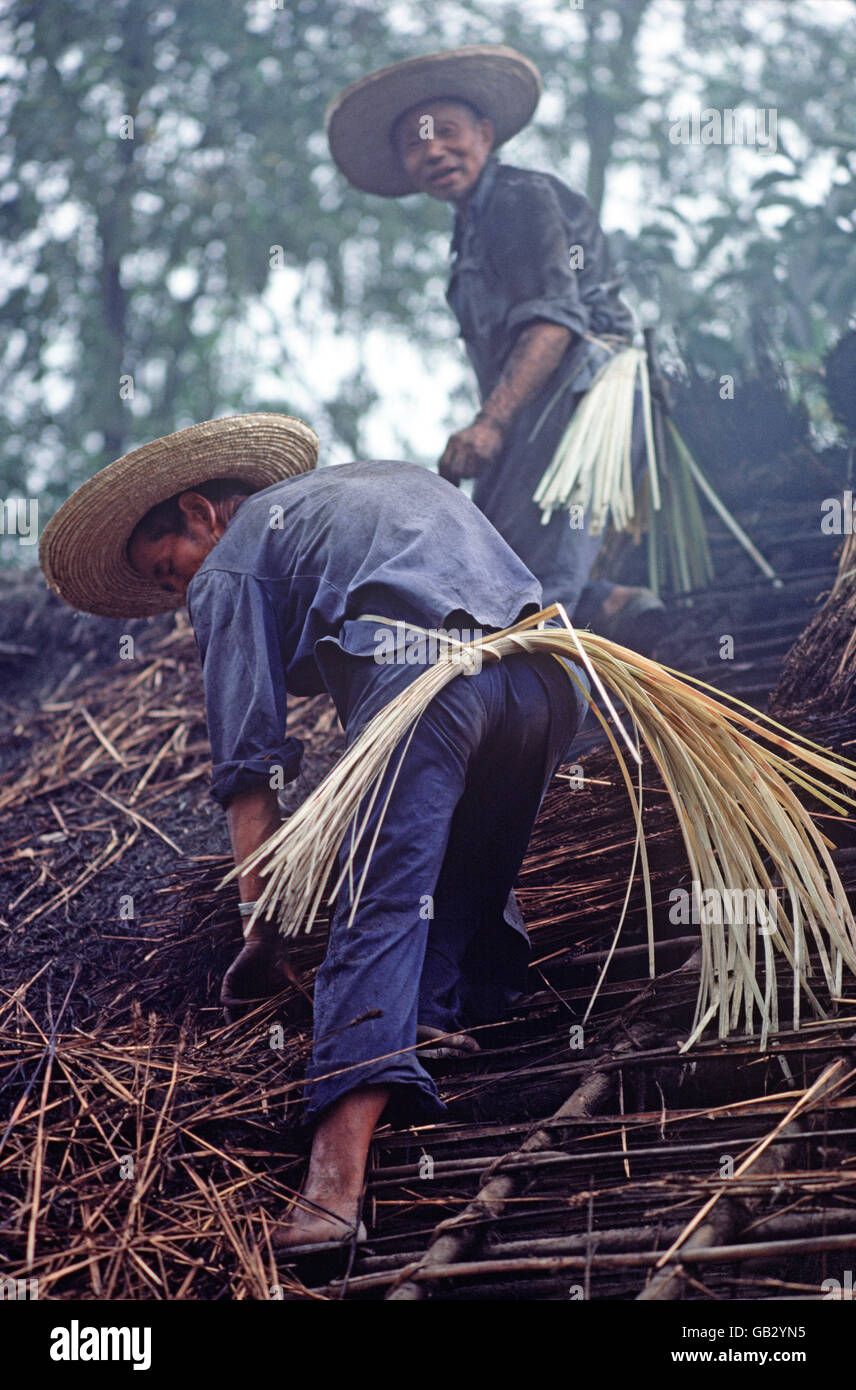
(340, 493)
(513, 184)
(320, 482)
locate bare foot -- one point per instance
(444, 1044)
(337, 1165)
(616, 599)
(313, 1228)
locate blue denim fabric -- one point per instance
(452, 842)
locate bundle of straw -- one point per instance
(679, 556)
(591, 473)
(743, 826)
(683, 483)
(591, 467)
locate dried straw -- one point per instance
(592, 465)
(744, 829)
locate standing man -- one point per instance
(279, 566)
(531, 287)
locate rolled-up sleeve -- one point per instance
(244, 678)
(528, 244)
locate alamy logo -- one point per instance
(840, 1290)
(17, 1290)
(76, 1343)
(406, 646)
(740, 126)
(713, 907)
(838, 515)
(19, 516)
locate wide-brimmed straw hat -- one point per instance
(82, 549)
(498, 81)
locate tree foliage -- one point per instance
(179, 243)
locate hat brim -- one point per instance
(498, 81)
(82, 550)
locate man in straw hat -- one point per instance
(531, 287)
(279, 566)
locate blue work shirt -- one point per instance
(277, 601)
(512, 266)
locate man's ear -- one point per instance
(486, 131)
(198, 512)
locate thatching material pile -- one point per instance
(820, 672)
(116, 1072)
(146, 1148)
(106, 793)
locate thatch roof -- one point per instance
(146, 1148)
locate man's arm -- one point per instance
(246, 712)
(252, 817)
(533, 359)
(262, 967)
(526, 239)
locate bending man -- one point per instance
(280, 566)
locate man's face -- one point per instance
(443, 148)
(172, 561)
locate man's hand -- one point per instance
(260, 970)
(471, 450)
(536, 354)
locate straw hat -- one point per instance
(499, 82)
(82, 549)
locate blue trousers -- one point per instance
(437, 937)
